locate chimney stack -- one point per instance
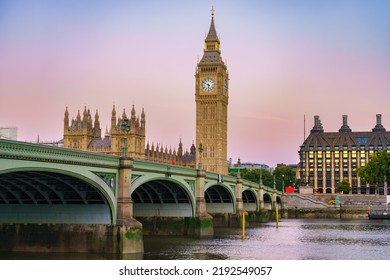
(379, 127)
(378, 119)
(345, 127)
(345, 120)
(317, 125)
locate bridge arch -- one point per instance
(278, 202)
(162, 196)
(249, 199)
(219, 198)
(54, 195)
(267, 201)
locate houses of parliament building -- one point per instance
(127, 134)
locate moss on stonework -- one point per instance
(178, 225)
(196, 223)
(134, 233)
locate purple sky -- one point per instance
(286, 59)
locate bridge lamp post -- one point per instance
(239, 167)
(125, 127)
(200, 150)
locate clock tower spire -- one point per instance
(211, 96)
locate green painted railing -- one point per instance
(29, 151)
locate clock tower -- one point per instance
(211, 96)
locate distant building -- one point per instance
(10, 133)
(59, 143)
(249, 166)
(326, 158)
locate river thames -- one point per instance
(294, 239)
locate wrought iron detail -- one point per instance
(108, 178)
(134, 178)
(191, 184)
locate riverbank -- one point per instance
(322, 206)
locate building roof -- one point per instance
(212, 35)
(100, 143)
(378, 138)
(211, 58)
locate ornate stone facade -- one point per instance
(85, 134)
(211, 96)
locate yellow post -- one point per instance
(276, 215)
(243, 225)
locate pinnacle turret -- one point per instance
(212, 35)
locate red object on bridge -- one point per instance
(289, 189)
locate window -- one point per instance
(362, 140)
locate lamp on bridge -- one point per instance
(274, 182)
(125, 127)
(200, 150)
(239, 167)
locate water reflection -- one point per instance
(294, 239)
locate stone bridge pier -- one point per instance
(129, 230)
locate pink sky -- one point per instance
(285, 61)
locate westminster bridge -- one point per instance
(54, 191)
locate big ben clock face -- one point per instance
(208, 85)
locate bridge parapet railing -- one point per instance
(232, 181)
(29, 151)
(164, 168)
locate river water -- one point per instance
(294, 239)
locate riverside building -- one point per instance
(327, 158)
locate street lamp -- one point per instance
(261, 179)
(200, 150)
(274, 182)
(125, 127)
(239, 167)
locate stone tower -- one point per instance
(211, 96)
(81, 131)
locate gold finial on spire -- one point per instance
(212, 11)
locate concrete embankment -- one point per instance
(318, 206)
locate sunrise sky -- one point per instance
(286, 59)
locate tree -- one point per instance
(377, 169)
(253, 175)
(344, 186)
(284, 176)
